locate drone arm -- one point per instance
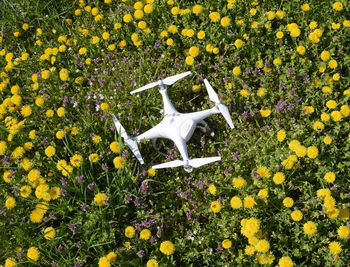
(168, 106)
(152, 133)
(181, 146)
(199, 116)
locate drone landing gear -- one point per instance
(131, 142)
(205, 126)
(188, 168)
(154, 143)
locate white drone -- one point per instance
(176, 126)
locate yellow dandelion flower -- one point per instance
(50, 151)
(262, 246)
(310, 228)
(288, 202)
(145, 234)
(10, 262)
(101, 199)
(285, 262)
(305, 7)
(237, 71)
(343, 232)
(93, 157)
(263, 172)
(103, 262)
(111, 256)
(148, 9)
(335, 247)
(226, 244)
(167, 248)
(25, 191)
(118, 162)
(338, 6)
(152, 263)
(33, 253)
(214, 16)
(312, 152)
(281, 135)
(64, 74)
(329, 177)
(197, 9)
(225, 21)
(151, 172)
(129, 231)
(76, 160)
(10, 203)
(296, 215)
(49, 233)
(194, 51)
(55, 192)
(215, 206)
(238, 182)
(249, 202)
(336, 115)
(236, 202)
(278, 178)
(212, 189)
(263, 193)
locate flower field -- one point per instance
(72, 194)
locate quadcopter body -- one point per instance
(176, 126)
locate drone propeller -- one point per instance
(119, 127)
(202, 161)
(214, 97)
(167, 81)
(129, 141)
(194, 163)
(170, 164)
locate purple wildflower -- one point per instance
(128, 198)
(228, 170)
(73, 227)
(200, 184)
(101, 82)
(219, 247)
(157, 44)
(15, 191)
(80, 179)
(236, 156)
(140, 253)
(245, 115)
(63, 192)
(255, 174)
(91, 186)
(84, 207)
(159, 233)
(124, 154)
(104, 166)
(136, 202)
(144, 187)
(280, 106)
(64, 182)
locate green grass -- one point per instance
(176, 205)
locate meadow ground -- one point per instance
(71, 193)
